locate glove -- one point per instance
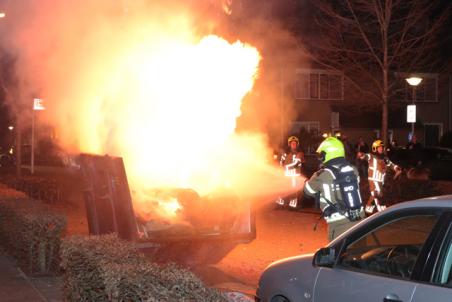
(354, 215)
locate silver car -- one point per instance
(401, 254)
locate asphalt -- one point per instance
(15, 286)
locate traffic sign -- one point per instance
(411, 114)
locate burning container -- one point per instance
(204, 228)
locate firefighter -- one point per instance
(336, 188)
(378, 166)
(292, 163)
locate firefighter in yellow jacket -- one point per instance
(292, 163)
(379, 163)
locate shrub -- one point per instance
(37, 187)
(31, 233)
(106, 268)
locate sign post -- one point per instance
(411, 116)
(37, 105)
(411, 109)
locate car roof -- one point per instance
(443, 201)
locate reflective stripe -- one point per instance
(376, 174)
(374, 167)
(309, 188)
(350, 199)
(377, 186)
(331, 172)
(294, 182)
(347, 169)
(292, 172)
(326, 190)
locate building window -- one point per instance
(426, 91)
(318, 85)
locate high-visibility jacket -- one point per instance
(378, 166)
(292, 162)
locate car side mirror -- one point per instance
(325, 257)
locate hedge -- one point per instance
(37, 187)
(106, 268)
(31, 232)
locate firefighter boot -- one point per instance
(280, 203)
(293, 203)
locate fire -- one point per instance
(142, 83)
(171, 105)
(188, 99)
(172, 207)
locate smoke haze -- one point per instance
(67, 54)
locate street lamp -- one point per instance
(413, 81)
(11, 139)
(2, 15)
(37, 106)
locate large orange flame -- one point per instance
(171, 111)
(144, 85)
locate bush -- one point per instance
(37, 187)
(31, 233)
(106, 268)
(82, 261)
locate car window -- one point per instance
(443, 271)
(391, 249)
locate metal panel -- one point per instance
(107, 196)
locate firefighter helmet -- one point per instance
(293, 138)
(377, 144)
(330, 148)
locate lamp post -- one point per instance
(413, 81)
(37, 105)
(11, 139)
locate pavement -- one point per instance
(15, 286)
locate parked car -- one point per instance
(401, 254)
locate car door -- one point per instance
(377, 260)
(437, 280)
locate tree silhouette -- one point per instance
(371, 41)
